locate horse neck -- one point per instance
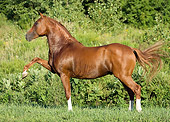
(58, 36)
(57, 39)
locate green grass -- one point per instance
(25, 113)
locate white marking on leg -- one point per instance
(24, 74)
(131, 102)
(138, 105)
(69, 104)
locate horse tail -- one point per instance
(150, 57)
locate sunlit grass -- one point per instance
(59, 114)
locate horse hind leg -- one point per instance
(135, 88)
(131, 95)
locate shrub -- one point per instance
(40, 87)
(24, 12)
(44, 88)
(103, 15)
(106, 15)
(145, 13)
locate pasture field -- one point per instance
(27, 113)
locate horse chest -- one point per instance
(61, 64)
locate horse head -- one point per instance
(38, 29)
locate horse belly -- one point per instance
(90, 70)
(89, 75)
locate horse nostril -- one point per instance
(27, 37)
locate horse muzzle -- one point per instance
(30, 36)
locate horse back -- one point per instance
(91, 62)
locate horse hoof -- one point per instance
(139, 109)
(24, 74)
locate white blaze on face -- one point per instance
(69, 104)
(138, 105)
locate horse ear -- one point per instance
(41, 15)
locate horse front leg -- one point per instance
(43, 62)
(66, 83)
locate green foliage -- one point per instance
(100, 14)
(156, 91)
(102, 91)
(144, 13)
(25, 11)
(106, 15)
(43, 90)
(21, 12)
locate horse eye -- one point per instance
(36, 23)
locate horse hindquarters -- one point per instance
(132, 88)
(123, 64)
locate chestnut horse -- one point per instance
(71, 59)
